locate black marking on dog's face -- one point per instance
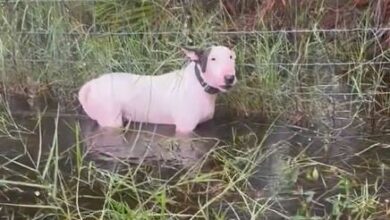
(203, 58)
(202, 55)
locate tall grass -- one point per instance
(52, 43)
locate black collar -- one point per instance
(207, 88)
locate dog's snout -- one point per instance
(229, 79)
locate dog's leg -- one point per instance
(185, 137)
(110, 119)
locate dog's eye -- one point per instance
(213, 59)
(231, 57)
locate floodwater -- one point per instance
(339, 142)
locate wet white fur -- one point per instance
(175, 98)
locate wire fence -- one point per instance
(311, 64)
(377, 32)
(374, 33)
(297, 92)
(252, 32)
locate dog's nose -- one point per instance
(229, 79)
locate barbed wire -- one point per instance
(320, 64)
(84, 62)
(177, 32)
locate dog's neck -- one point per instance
(207, 88)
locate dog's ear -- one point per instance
(198, 55)
(192, 53)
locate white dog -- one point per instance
(183, 98)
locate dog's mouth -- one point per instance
(226, 87)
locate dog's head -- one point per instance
(217, 65)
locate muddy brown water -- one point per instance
(345, 146)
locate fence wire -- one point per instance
(311, 64)
(375, 33)
(252, 32)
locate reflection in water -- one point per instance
(145, 142)
(140, 145)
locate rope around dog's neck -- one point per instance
(207, 88)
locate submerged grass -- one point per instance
(61, 45)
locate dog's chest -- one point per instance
(206, 110)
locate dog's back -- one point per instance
(136, 97)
